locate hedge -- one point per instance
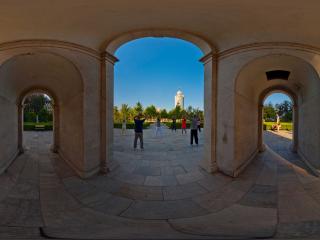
(178, 124)
(31, 126)
(131, 125)
(284, 126)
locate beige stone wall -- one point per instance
(8, 132)
(241, 82)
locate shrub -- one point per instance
(178, 124)
(131, 125)
(284, 126)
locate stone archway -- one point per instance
(107, 85)
(56, 120)
(56, 75)
(252, 86)
(294, 99)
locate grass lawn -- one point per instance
(31, 126)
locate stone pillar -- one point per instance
(261, 146)
(56, 128)
(20, 128)
(295, 128)
(209, 162)
(107, 92)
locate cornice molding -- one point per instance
(268, 45)
(209, 57)
(46, 43)
(107, 57)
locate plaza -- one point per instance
(83, 180)
(159, 193)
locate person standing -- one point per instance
(194, 130)
(184, 125)
(138, 131)
(124, 126)
(278, 122)
(158, 127)
(174, 125)
(199, 124)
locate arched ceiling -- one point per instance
(225, 23)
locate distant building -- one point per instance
(179, 99)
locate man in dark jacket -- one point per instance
(194, 129)
(138, 131)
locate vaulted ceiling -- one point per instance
(224, 23)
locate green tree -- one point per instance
(116, 114)
(175, 113)
(138, 108)
(269, 112)
(125, 112)
(284, 110)
(151, 112)
(36, 107)
(164, 113)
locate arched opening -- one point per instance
(253, 85)
(208, 59)
(39, 121)
(278, 122)
(161, 79)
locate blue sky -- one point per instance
(152, 70)
(276, 98)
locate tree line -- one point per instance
(151, 113)
(37, 107)
(284, 110)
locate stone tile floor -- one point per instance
(159, 193)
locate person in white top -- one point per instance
(124, 126)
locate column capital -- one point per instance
(108, 57)
(209, 57)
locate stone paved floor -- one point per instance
(159, 193)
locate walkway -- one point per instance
(159, 193)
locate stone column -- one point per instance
(107, 92)
(56, 128)
(261, 146)
(295, 128)
(209, 162)
(20, 127)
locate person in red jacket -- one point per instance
(184, 125)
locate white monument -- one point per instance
(179, 99)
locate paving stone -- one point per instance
(214, 182)
(260, 196)
(114, 205)
(140, 192)
(189, 177)
(183, 191)
(20, 212)
(148, 171)
(20, 233)
(163, 209)
(160, 181)
(130, 178)
(299, 230)
(231, 223)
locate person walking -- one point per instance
(199, 124)
(194, 130)
(174, 125)
(124, 126)
(184, 125)
(158, 127)
(138, 131)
